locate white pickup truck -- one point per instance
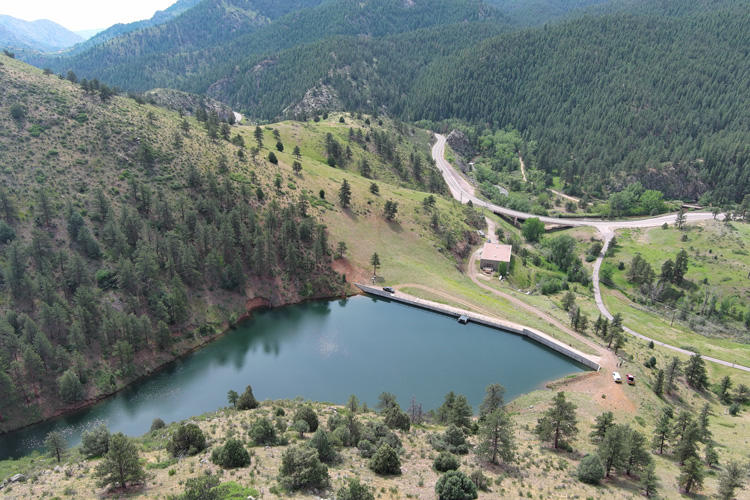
(616, 377)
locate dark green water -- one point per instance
(322, 351)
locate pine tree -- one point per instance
(55, 443)
(232, 397)
(247, 400)
(121, 465)
(711, 456)
(724, 386)
(663, 432)
(603, 423)
(558, 422)
(673, 371)
(636, 456)
(390, 210)
(496, 440)
(731, 478)
(649, 481)
(375, 263)
(695, 372)
(659, 383)
(687, 446)
(680, 219)
(345, 194)
(692, 475)
(258, 136)
(613, 448)
(493, 400)
(705, 432)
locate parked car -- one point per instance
(630, 378)
(616, 377)
(389, 289)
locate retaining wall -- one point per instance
(535, 335)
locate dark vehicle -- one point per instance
(389, 289)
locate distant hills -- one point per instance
(42, 35)
(160, 17)
(611, 91)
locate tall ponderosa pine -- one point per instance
(493, 400)
(496, 438)
(659, 383)
(674, 368)
(692, 475)
(559, 421)
(695, 372)
(455, 410)
(613, 448)
(602, 424)
(663, 432)
(345, 194)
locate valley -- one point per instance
(187, 203)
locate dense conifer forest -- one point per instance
(127, 237)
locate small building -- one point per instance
(495, 257)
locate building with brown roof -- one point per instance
(495, 257)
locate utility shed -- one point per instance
(495, 257)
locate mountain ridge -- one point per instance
(42, 34)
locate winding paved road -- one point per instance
(463, 191)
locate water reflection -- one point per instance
(322, 351)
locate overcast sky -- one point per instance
(83, 14)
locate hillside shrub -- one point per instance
(95, 442)
(354, 490)
(263, 432)
(397, 419)
(188, 439)
(322, 443)
(301, 468)
(157, 424)
(231, 456)
(591, 470)
(446, 461)
(307, 414)
(385, 461)
(455, 485)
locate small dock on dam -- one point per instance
(587, 360)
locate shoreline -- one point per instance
(251, 305)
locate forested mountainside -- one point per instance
(356, 72)
(203, 46)
(537, 12)
(266, 8)
(127, 237)
(34, 35)
(611, 99)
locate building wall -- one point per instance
(489, 263)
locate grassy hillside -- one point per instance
(130, 231)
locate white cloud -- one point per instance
(83, 14)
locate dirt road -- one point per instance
(464, 192)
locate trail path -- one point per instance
(523, 169)
(564, 196)
(464, 192)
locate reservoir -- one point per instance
(322, 351)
